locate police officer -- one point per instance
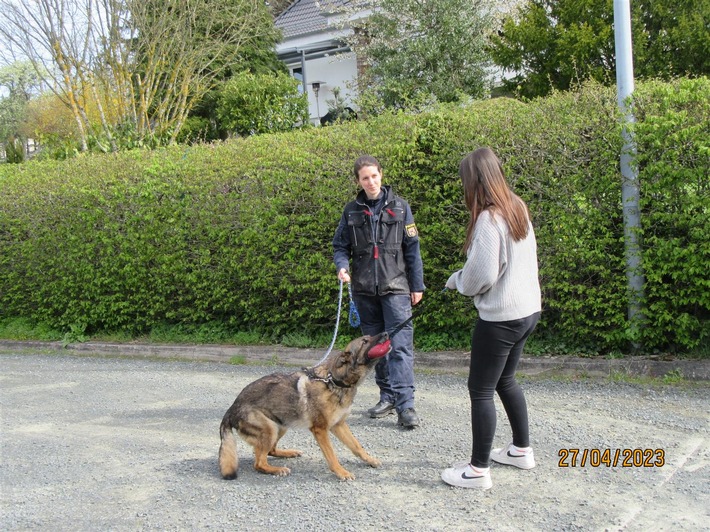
(378, 239)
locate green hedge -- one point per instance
(240, 232)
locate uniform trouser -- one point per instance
(394, 374)
(496, 348)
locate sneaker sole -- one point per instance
(484, 485)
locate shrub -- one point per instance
(261, 103)
(238, 234)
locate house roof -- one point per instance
(307, 16)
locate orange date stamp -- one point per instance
(611, 458)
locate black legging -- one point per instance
(496, 348)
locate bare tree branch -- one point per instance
(137, 63)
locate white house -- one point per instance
(316, 53)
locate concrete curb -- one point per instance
(443, 361)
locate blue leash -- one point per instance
(353, 316)
(337, 324)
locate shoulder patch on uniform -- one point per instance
(411, 230)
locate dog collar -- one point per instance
(329, 380)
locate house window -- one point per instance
(298, 74)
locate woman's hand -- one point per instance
(343, 275)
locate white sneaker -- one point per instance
(511, 455)
(467, 477)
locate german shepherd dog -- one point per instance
(318, 398)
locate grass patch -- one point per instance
(207, 333)
(298, 340)
(24, 329)
(117, 337)
(318, 341)
(673, 377)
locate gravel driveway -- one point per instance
(126, 444)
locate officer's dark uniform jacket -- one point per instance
(381, 239)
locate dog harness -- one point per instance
(329, 380)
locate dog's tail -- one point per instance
(228, 460)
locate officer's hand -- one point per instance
(343, 275)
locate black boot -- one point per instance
(381, 409)
(408, 418)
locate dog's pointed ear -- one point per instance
(343, 358)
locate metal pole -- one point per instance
(630, 188)
(303, 72)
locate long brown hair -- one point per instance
(485, 187)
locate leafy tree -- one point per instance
(257, 56)
(261, 103)
(416, 49)
(278, 6)
(134, 68)
(338, 109)
(20, 83)
(551, 44)
(12, 112)
(676, 38)
(14, 150)
(50, 123)
(203, 42)
(19, 78)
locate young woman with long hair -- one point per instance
(501, 274)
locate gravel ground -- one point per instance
(127, 444)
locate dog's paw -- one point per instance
(271, 470)
(344, 475)
(282, 471)
(373, 462)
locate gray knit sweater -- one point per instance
(499, 273)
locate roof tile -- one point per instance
(307, 16)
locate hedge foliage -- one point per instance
(239, 233)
